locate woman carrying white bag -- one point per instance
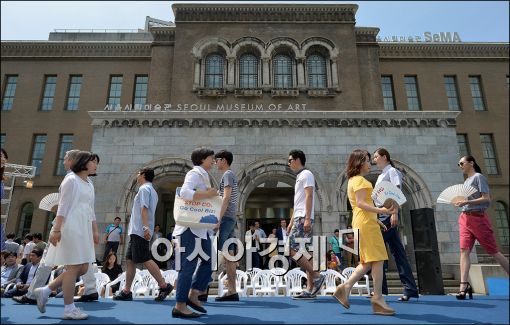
(197, 186)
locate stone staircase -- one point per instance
(395, 286)
(484, 258)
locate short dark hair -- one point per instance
(199, 154)
(336, 230)
(227, 155)
(148, 173)
(37, 235)
(37, 251)
(10, 235)
(117, 218)
(8, 253)
(298, 154)
(95, 156)
(82, 158)
(252, 223)
(29, 237)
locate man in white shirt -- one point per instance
(301, 222)
(29, 246)
(252, 239)
(140, 227)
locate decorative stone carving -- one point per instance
(321, 92)
(431, 50)
(366, 34)
(211, 93)
(75, 49)
(236, 119)
(248, 92)
(264, 13)
(284, 93)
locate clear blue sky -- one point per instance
(475, 21)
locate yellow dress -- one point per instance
(371, 242)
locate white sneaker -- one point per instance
(76, 313)
(42, 299)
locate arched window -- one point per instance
(317, 74)
(502, 223)
(214, 70)
(248, 71)
(282, 71)
(25, 220)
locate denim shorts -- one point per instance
(226, 231)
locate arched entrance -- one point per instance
(266, 194)
(417, 195)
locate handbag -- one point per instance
(197, 214)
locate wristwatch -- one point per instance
(145, 228)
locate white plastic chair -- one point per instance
(347, 272)
(145, 286)
(330, 281)
(101, 280)
(281, 282)
(121, 279)
(251, 274)
(170, 276)
(264, 282)
(293, 282)
(241, 283)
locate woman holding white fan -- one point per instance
(372, 250)
(474, 223)
(391, 237)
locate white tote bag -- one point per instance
(197, 214)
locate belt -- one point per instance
(478, 213)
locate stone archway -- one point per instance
(276, 170)
(416, 192)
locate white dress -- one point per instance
(76, 205)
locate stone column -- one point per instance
(231, 73)
(301, 73)
(266, 84)
(196, 78)
(334, 73)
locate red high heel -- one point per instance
(467, 290)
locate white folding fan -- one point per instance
(386, 194)
(456, 193)
(49, 201)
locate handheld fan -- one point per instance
(386, 194)
(456, 193)
(49, 201)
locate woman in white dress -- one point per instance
(73, 234)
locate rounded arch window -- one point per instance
(317, 73)
(282, 71)
(25, 221)
(214, 71)
(248, 71)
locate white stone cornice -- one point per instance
(18, 49)
(448, 51)
(274, 13)
(273, 119)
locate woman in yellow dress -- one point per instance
(372, 251)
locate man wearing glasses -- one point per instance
(302, 219)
